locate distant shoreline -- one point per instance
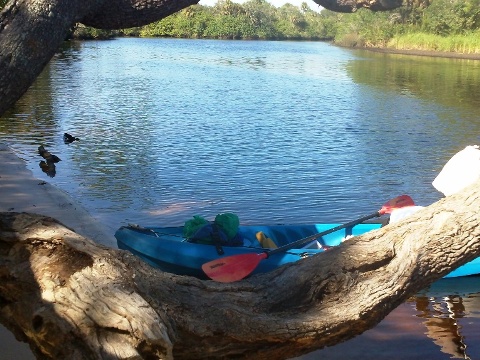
(426, 53)
(429, 53)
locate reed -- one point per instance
(464, 44)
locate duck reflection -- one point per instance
(48, 165)
(48, 168)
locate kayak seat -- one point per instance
(286, 236)
(251, 242)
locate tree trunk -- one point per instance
(72, 299)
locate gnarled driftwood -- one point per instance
(72, 299)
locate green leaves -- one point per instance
(254, 19)
(258, 19)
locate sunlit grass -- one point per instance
(465, 44)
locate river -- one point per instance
(276, 132)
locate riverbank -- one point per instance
(413, 52)
(21, 192)
(440, 54)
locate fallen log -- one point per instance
(70, 298)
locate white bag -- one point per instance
(402, 213)
(461, 170)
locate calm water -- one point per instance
(277, 132)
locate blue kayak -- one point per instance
(167, 249)
(470, 268)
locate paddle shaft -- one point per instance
(316, 236)
(236, 267)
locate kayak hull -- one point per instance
(166, 248)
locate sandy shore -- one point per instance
(21, 192)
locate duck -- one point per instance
(68, 139)
(50, 158)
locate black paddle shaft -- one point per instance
(316, 236)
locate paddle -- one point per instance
(236, 267)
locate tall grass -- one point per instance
(464, 44)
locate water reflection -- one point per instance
(450, 86)
(48, 168)
(441, 320)
(449, 82)
(48, 165)
(447, 307)
(253, 62)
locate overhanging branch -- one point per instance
(67, 295)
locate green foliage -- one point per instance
(89, 33)
(443, 25)
(230, 27)
(184, 24)
(254, 19)
(450, 17)
(465, 44)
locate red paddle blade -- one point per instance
(232, 268)
(396, 203)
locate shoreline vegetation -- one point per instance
(443, 28)
(429, 53)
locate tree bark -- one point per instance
(72, 299)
